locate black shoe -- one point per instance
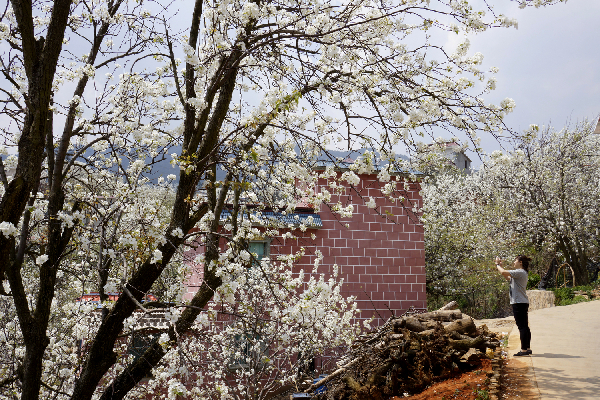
(523, 353)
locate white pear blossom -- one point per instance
(372, 203)
(8, 229)
(41, 259)
(156, 256)
(177, 232)
(251, 125)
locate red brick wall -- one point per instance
(380, 253)
(380, 256)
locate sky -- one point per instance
(550, 65)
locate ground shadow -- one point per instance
(552, 355)
(556, 384)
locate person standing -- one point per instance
(518, 299)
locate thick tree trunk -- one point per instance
(40, 60)
(577, 259)
(101, 355)
(144, 365)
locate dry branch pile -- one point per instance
(407, 354)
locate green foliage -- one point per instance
(477, 296)
(533, 280)
(574, 300)
(566, 296)
(482, 395)
(562, 294)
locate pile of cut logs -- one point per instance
(407, 354)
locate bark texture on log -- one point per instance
(407, 354)
(466, 344)
(465, 325)
(444, 315)
(450, 306)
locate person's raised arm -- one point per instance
(504, 272)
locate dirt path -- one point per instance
(516, 382)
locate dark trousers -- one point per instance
(520, 311)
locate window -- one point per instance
(259, 249)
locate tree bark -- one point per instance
(466, 344)
(119, 388)
(464, 325)
(441, 315)
(40, 60)
(576, 259)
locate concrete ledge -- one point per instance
(539, 299)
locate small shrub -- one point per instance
(574, 300)
(533, 281)
(562, 294)
(566, 296)
(482, 395)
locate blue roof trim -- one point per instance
(295, 219)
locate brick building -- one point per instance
(379, 252)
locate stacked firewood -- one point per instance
(407, 354)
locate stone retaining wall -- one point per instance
(540, 299)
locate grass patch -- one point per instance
(482, 395)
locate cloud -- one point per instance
(549, 65)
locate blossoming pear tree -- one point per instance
(540, 197)
(97, 93)
(550, 184)
(463, 233)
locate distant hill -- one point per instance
(165, 168)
